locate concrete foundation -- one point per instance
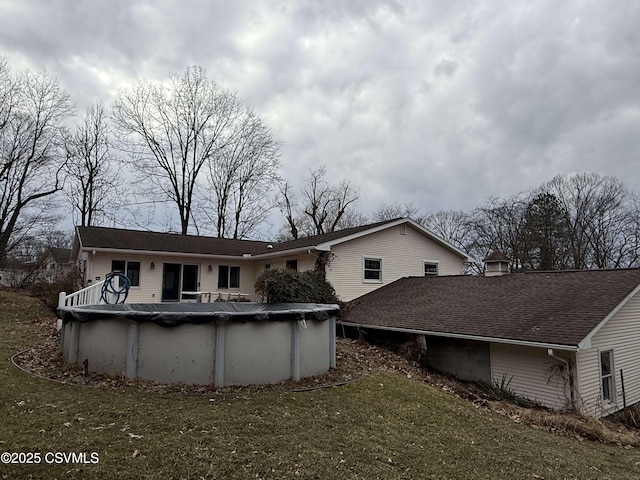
(466, 359)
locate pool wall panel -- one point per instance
(183, 354)
(314, 348)
(104, 345)
(257, 353)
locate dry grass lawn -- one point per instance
(386, 422)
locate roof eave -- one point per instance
(326, 246)
(199, 255)
(159, 253)
(525, 343)
(282, 253)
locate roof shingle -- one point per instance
(544, 307)
(116, 238)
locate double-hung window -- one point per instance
(228, 276)
(130, 269)
(372, 270)
(607, 376)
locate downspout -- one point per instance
(569, 374)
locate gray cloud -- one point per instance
(437, 103)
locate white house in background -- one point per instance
(55, 263)
(566, 339)
(162, 266)
(51, 265)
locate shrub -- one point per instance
(47, 290)
(284, 285)
(501, 390)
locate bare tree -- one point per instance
(452, 226)
(287, 204)
(325, 207)
(8, 100)
(240, 178)
(501, 225)
(326, 204)
(389, 211)
(574, 221)
(31, 152)
(173, 129)
(91, 179)
(600, 219)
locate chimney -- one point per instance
(496, 264)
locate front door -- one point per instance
(171, 282)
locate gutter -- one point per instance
(525, 343)
(198, 255)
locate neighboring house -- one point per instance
(54, 263)
(566, 339)
(51, 265)
(14, 275)
(162, 266)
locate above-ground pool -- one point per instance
(202, 343)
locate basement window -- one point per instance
(373, 270)
(606, 373)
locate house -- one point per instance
(566, 339)
(166, 267)
(54, 263)
(50, 265)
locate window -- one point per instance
(130, 269)
(606, 371)
(292, 264)
(430, 268)
(267, 266)
(373, 270)
(228, 277)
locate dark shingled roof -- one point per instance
(496, 256)
(326, 237)
(102, 237)
(544, 307)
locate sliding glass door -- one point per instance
(178, 278)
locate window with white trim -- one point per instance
(130, 269)
(430, 268)
(607, 376)
(372, 270)
(228, 276)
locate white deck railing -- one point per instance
(90, 295)
(208, 297)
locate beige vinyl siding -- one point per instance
(622, 335)
(306, 261)
(402, 255)
(531, 372)
(150, 289)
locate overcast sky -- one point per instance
(439, 103)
